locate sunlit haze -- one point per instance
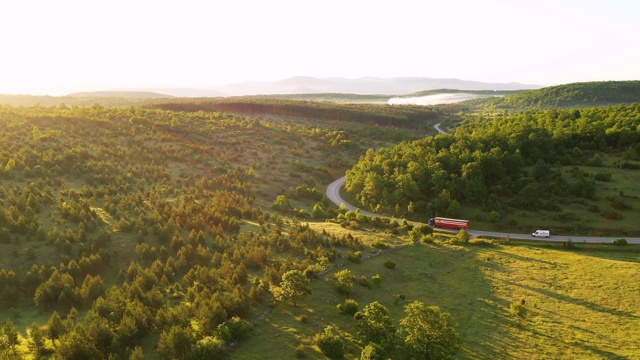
(56, 47)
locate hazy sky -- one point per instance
(48, 45)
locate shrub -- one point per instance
(620, 242)
(329, 343)
(593, 208)
(373, 351)
(612, 215)
(344, 281)
(238, 328)
(300, 351)
(390, 264)
(518, 309)
(425, 229)
(312, 270)
(481, 242)
(603, 176)
(414, 235)
(355, 257)
(505, 240)
(364, 282)
(398, 299)
(302, 318)
(376, 279)
(350, 306)
(494, 216)
(428, 239)
(619, 204)
(463, 236)
(378, 244)
(377, 222)
(209, 347)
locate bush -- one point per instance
(312, 270)
(329, 343)
(612, 215)
(428, 239)
(619, 204)
(208, 347)
(376, 279)
(603, 176)
(518, 309)
(239, 328)
(398, 299)
(481, 242)
(494, 216)
(463, 236)
(390, 264)
(350, 306)
(373, 351)
(378, 244)
(505, 240)
(355, 257)
(425, 229)
(620, 242)
(300, 351)
(364, 282)
(302, 318)
(344, 281)
(593, 208)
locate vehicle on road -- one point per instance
(447, 223)
(541, 233)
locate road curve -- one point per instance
(333, 193)
(437, 127)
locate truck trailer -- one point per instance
(447, 223)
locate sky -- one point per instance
(56, 47)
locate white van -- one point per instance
(541, 233)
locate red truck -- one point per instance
(447, 223)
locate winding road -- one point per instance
(333, 193)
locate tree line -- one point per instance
(499, 161)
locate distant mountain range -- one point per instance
(311, 85)
(122, 94)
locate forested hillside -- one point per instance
(575, 95)
(533, 161)
(131, 228)
(416, 117)
(199, 229)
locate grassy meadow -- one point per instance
(579, 304)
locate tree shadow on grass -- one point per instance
(458, 285)
(572, 300)
(527, 259)
(629, 253)
(599, 353)
(603, 354)
(609, 252)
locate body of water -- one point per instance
(434, 99)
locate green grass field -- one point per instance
(580, 304)
(576, 217)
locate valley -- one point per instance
(185, 228)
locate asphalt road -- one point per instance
(333, 193)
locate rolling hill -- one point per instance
(587, 94)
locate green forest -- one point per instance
(124, 225)
(575, 95)
(200, 229)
